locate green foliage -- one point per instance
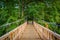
(47, 10)
(10, 11)
(37, 10)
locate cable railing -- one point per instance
(11, 23)
(50, 25)
(45, 33)
(15, 34)
(10, 26)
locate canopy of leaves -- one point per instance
(37, 10)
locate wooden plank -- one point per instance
(14, 33)
(30, 33)
(55, 35)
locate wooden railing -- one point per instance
(45, 33)
(14, 34)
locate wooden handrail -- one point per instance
(45, 33)
(14, 34)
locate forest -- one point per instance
(15, 12)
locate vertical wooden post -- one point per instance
(19, 8)
(11, 38)
(22, 8)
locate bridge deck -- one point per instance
(30, 33)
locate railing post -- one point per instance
(11, 34)
(46, 33)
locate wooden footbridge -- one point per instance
(30, 32)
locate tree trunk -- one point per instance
(19, 8)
